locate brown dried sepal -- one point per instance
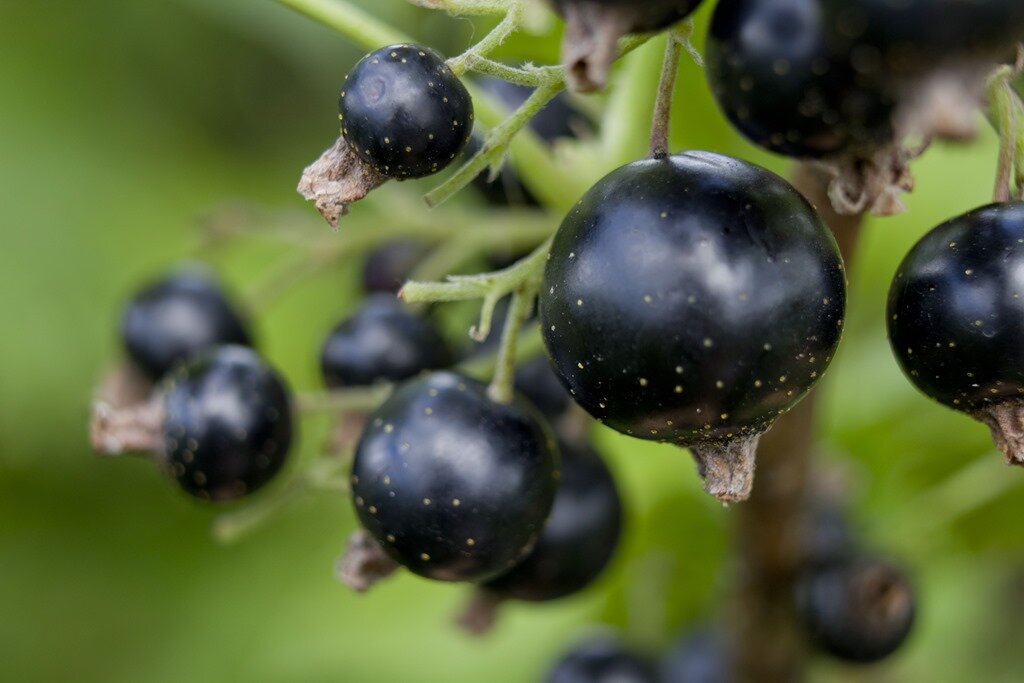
(1006, 420)
(138, 428)
(480, 613)
(727, 467)
(591, 42)
(338, 179)
(364, 563)
(873, 182)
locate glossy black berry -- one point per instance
(389, 267)
(956, 317)
(602, 660)
(861, 610)
(452, 485)
(911, 37)
(537, 382)
(177, 317)
(780, 80)
(693, 300)
(404, 112)
(579, 538)
(700, 656)
(227, 424)
(383, 342)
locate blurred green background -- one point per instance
(122, 123)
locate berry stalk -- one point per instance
(663, 105)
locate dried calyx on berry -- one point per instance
(448, 483)
(956, 319)
(403, 113)
(846, 85)
(577, 543)
(220, 424)
(593, 29)
(693, 317)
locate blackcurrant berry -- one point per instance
(451, 484)
(579, 538)
(387, 268)
(177, 317)
(538, 383)
(593, 28)
(692, 300)
(956, 319)
(602, 660)
(404, 112)
(700, 656)
(911, 37)
(227, 423)
(861, 610)
(777, 78)
(383, 342)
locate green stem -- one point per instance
(350, 21)
(501, 389)
(529, 344)
(343, 400)
(663, 104)
(462, 8)
(508, 25)
(1006, 111)
(524, 228)
(469, 287)
(496, 144)
(235, 525)
(625, 125)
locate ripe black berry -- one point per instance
(383, 341)
(956, 319)
(602, 661)
(387, 268)
(780, 81)
(227, 424)
(404, 112)
(538, 383)
(177, 317)
(861, 610)
(693, 300)
(579, 538)
(700, 656)
(593, 28)
(452, 485)
(911, 37)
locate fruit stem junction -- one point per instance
(1006, 111)
(521, 279)
(663, 105)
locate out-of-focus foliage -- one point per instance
(121, 123)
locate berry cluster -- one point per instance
(690, 299)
